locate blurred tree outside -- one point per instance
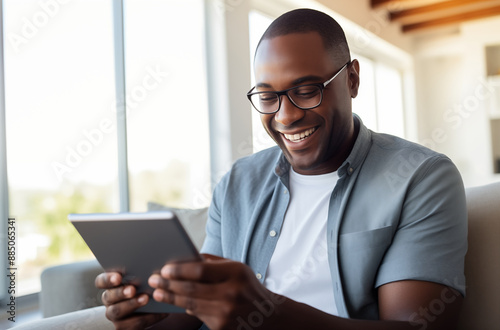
(46, 236)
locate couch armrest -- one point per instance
(70, 287)
(91, 318)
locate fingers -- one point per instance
(115, 295)
(123, 309)
(108, 280)
(121, 302)
(189, 288)
(193, 306)
(211, 271)
(185, 294)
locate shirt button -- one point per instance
(259, 276)
(272, 233)
(351, 170)
(285, 191)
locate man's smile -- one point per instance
(297, 137)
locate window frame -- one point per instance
(4, 191)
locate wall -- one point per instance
(453, 97)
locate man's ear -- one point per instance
(354, 78)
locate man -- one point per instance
(339, 227)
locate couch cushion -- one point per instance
(69, 287)
(193, 220)
(482, 262)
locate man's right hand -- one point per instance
(121, 301)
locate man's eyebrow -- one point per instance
(306, 79)
(264, 85)
(296, 82)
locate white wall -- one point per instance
(453, 97)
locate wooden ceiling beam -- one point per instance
(378, 3)
(459, 18)
(440, 6)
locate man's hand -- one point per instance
(220, 292)
(121, 301)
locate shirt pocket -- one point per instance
(369, 239)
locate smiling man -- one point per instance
(337, 227)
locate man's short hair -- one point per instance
(309, 20)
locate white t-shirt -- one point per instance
(299, 266)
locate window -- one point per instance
(364, 104)
(167, 112)
(258, 23)
(61, 140)
(389, 100)
(380, 97)
(62, 145)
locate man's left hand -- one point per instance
(220, 292)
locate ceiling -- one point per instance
(418, 15)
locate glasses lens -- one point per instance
(265, 102)
(308, 96)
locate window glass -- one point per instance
(365, 104)
(389, 100)
(167, 114)
(61, 130)
(258, 23)
(380, 97)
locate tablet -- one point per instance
(137, 245)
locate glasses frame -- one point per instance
(286, 91)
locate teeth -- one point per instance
(299, 136)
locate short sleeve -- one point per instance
(430, 242)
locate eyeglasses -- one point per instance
(304, 97)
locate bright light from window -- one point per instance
(365, 104)
(167, 124)
(389, 100)
(258, 24)
(61, 130)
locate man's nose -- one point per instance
(288, 112)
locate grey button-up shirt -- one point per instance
(398, 212)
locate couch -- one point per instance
(482, 269)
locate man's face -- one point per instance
(296, 59)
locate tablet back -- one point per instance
(137, 245)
